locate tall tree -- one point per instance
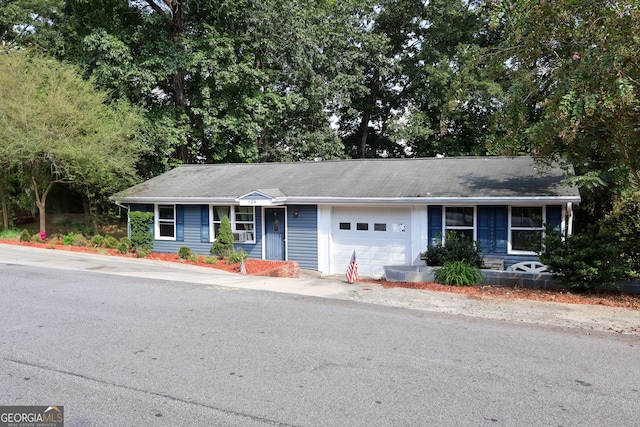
(574, 85)
(391, 32)
(222, 81)
(426, 92)
(57, 128)
(452, 93)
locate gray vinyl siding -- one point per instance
(302, 236)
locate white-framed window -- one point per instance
(242, 218)
(526, 228)
(165, 223)
(461, 220)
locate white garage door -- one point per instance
(380, 236)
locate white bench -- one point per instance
(529, 267)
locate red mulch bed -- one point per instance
(255, 266)
(609, 299)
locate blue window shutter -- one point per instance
(485, 228)
(493, 228)
(434, 216)
(501, 229)
(180, 223)
(554, 217)
(204, 223)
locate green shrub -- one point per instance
(110, 242)
(86, 230)
(123, 247)
(79, 240)
(194, 258)
(126, 241)
(10, 234)
(97, 240)
(458, 273)
(211, 260)
(142, 253)
(455, 248)
(184, 252)
(25, 236)
(141, 235)
(583, 261)
(236, 257)
(67, 240)
(36, 238)
(624, 223)
(223, 246)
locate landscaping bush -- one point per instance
(184, 252)
(624, 223)
(25, 236)
(211, 260)
(110, 242)
(236, 257)
(223, 246)
(79, 240)
(86, 230)
(10, 234)
(141, 235)
(97, 241)
(36, 238)
(455, 248)
(583, 261)
(141, 253)
(67, 240)
(458, 273)
(123, 247)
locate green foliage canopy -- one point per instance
(56, 128)
(574, 83)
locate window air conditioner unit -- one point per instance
(240, 237)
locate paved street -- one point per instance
(120, 350)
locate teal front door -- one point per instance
(274, 225)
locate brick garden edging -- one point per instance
(290, 270)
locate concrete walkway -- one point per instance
(585, 317)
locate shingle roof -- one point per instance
(393, 179)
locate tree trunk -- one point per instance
(175, 26)
(367, 110)
(41, 202)
(5, 211)
(174, 30)
(43, 217)
(364, 132)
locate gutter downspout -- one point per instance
(120, 205)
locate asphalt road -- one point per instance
(124, 351)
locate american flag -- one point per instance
(243, 267)
(352, 270)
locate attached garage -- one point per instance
(380, 236)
